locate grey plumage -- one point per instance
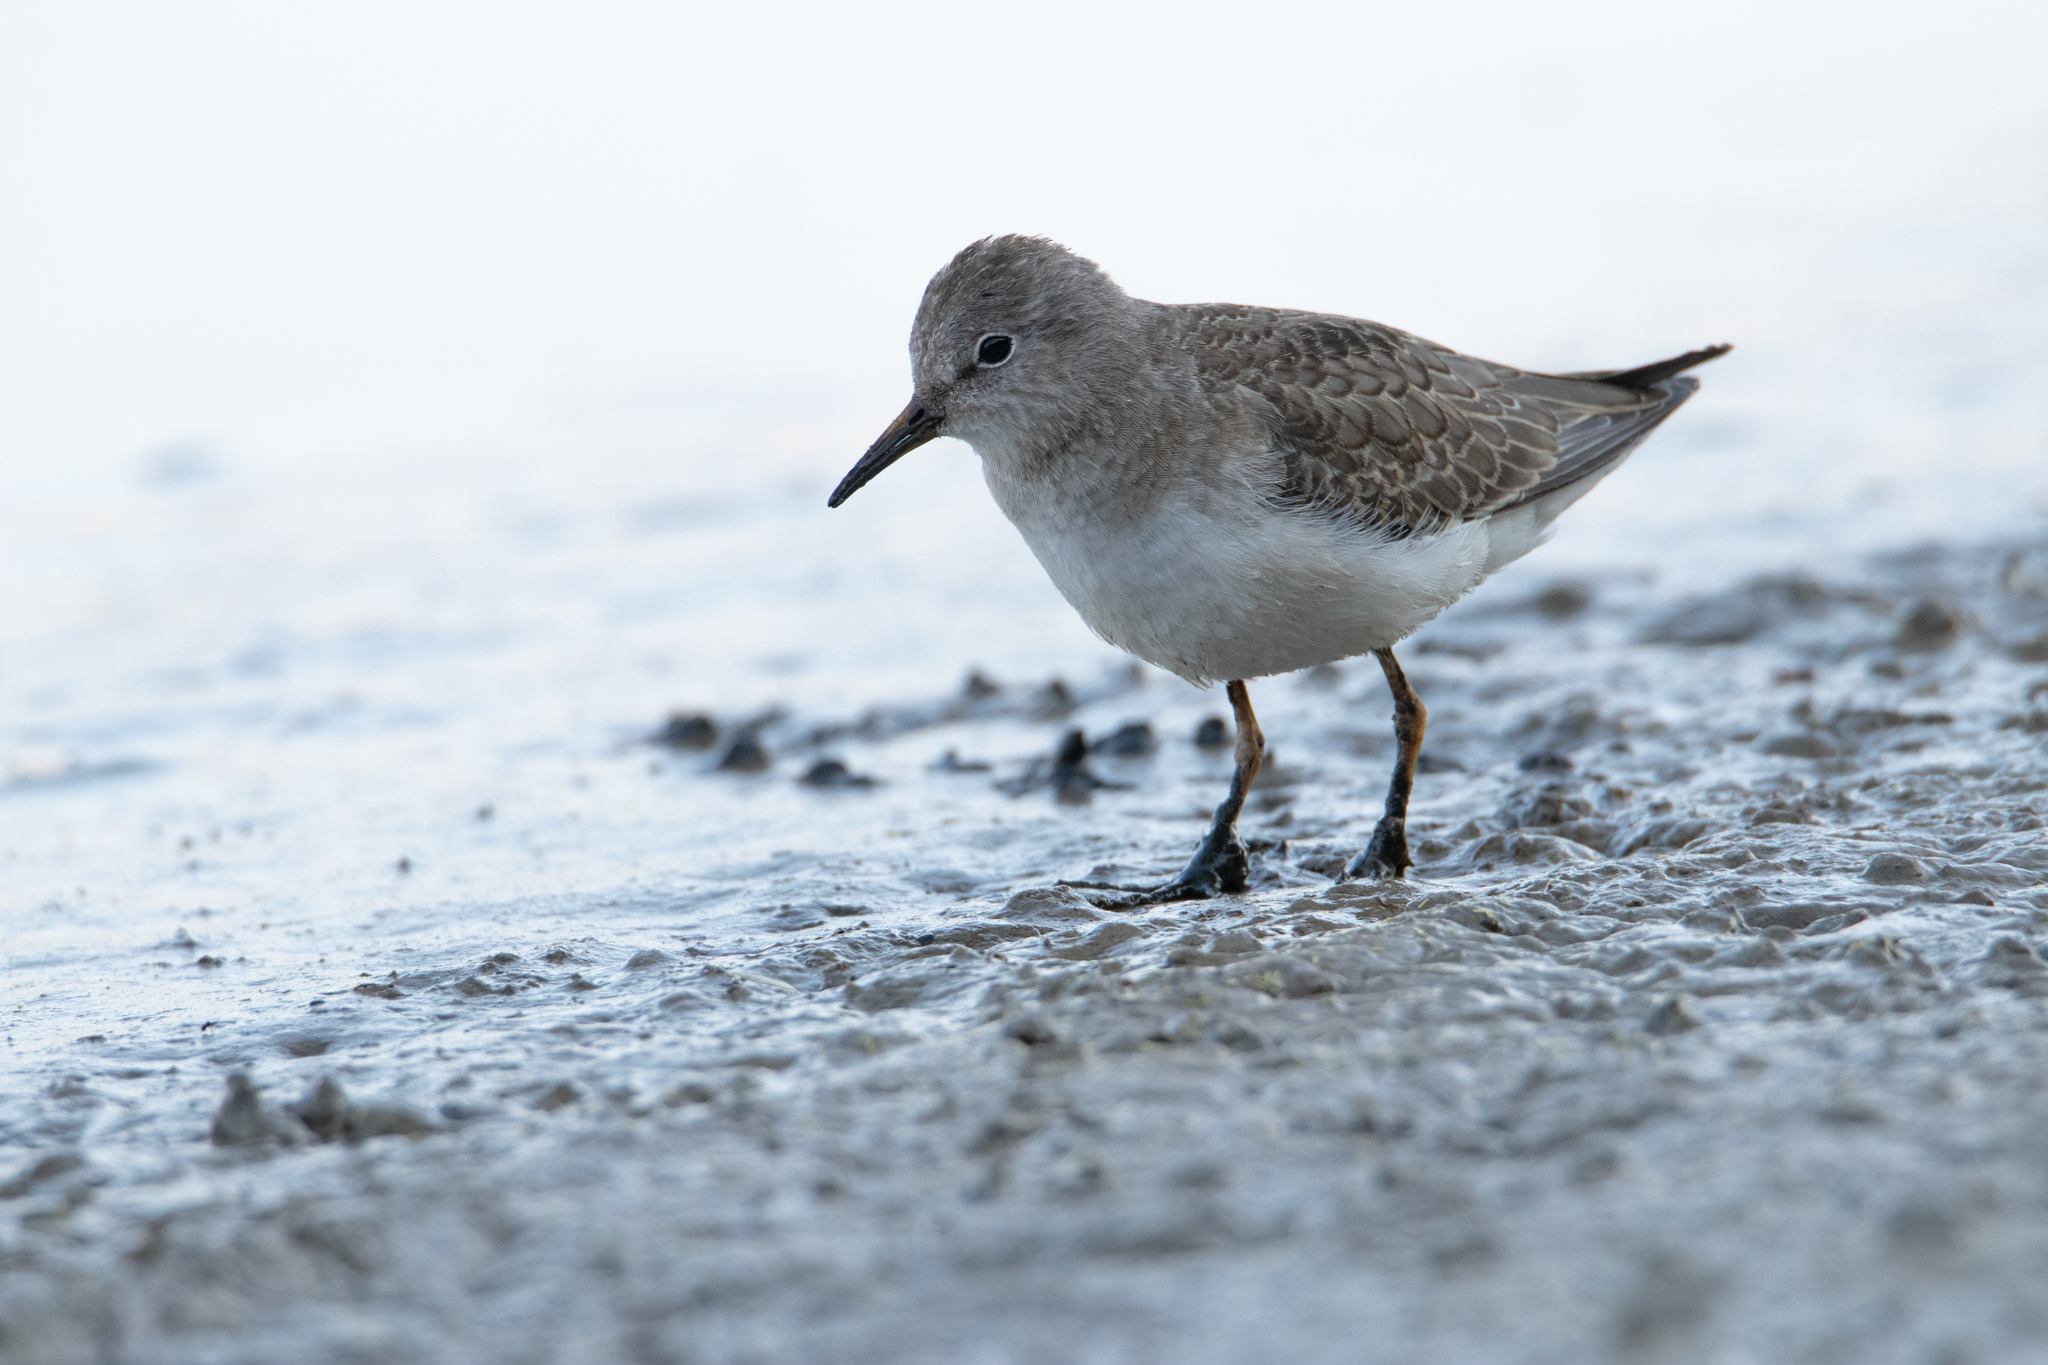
(1230, 492)
(1359, 419)
(1401, 432)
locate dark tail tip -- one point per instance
(1644, 376)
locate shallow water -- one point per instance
(1708, 1028)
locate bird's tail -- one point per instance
(1645, 376)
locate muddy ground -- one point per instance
(1709, 1028)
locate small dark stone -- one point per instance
(1560, 601)
(1670, 1018)
(1929, 625)
(951, 762)
(1067, 774)
(689, 1092)
(978, 687)
(560, 1097)
(1031, 1029)
(2013, 949)
(646, 957)
(241, 1121)
(745, 756)
(324, 1111)
(1238, 1038)
(211, 961)
(1545, 763)
(379, 990)
(1799, 744)
(1135, 740)
(687, 732)
(1213, 733)
(49, 1168)
(1895, 869)
(1071, 780)
(1055, 701)
(831, 773)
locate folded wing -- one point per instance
(1374, 425)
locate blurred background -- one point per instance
(302, 233)
(375, 332)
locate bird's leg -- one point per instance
(1221, 867)
(1387, 853)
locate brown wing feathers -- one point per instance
(1378, 425)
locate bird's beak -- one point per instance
(913, 426)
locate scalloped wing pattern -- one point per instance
(1390, 430)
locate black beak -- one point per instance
(913, 426)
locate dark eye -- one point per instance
(992, 350)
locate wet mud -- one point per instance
(1717, 995)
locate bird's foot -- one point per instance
(1220, 867)
(1386, 855)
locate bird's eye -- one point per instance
(992, 350)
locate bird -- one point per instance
(1232, 492)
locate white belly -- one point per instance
(1235, 589)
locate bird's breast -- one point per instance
(1206, 578)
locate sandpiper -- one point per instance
(1232, 492)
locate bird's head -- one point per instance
(1010, 340)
